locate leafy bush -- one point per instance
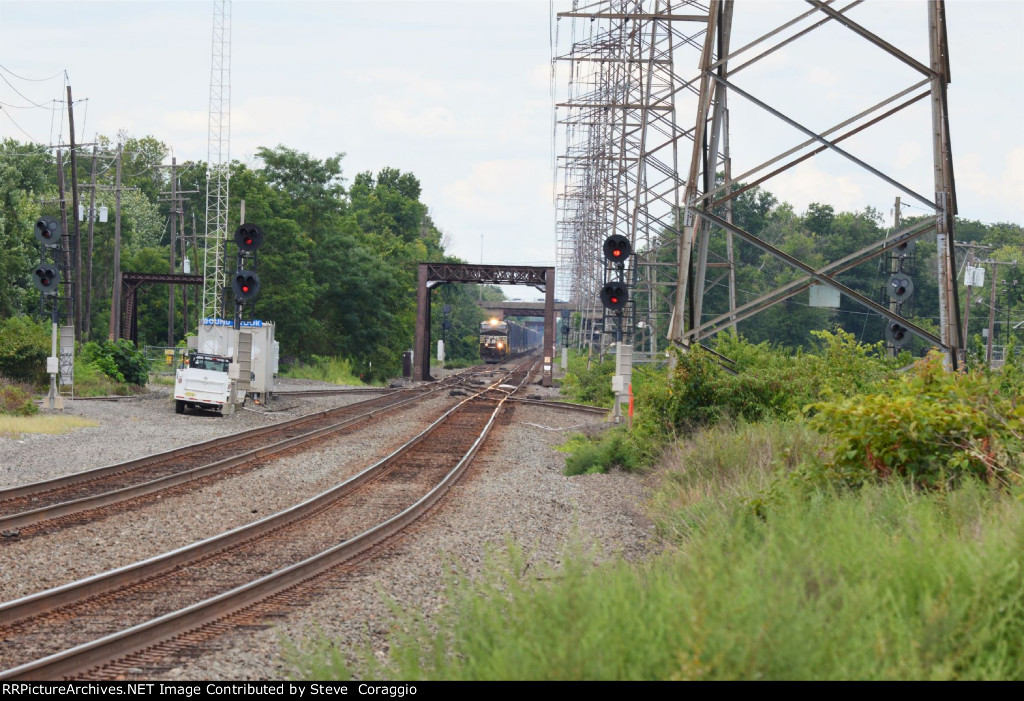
(930, 426)
(612, 449)
(92, 381)
(766, 382)
(24, 348)
(763, 383)
(119, 360)
(338, 371)
(589, 380)
(16, 398)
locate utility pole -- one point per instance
(991, 315)
(174, 230)
(992, 305)
(74, 208)
(971, 247)
(66, 261)
(176, 208)
(894, 263)
(115, 298)
(87, 291)
(184, 261)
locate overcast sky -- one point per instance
(459, 93)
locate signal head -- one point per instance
(617, 248)
(248, 237)
(47, 231)
(900, 287)
(897, 334)
(614, 296)
(246, 285)
(46, 279)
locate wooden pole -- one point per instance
(87, 291)
(77, 241)
(115, 297)
(174, 229)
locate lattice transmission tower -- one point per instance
(623, 122)
(883, 92)
(218, 160)
(647, 151)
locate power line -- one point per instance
(32, 107)
(7, 114)
(23, 96)
(33, 80)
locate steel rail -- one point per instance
(32, 488)
(587, 408)
(46, 513)
(138, 637)
(335, 390)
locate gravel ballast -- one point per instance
(515, 490)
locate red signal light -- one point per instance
(617, 248)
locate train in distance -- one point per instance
(501, 340)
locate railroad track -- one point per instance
(89, 495)
(325, 391)
(198, 591)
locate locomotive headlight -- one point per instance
(500, 345)
(494, 321)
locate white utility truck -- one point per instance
(202, 382)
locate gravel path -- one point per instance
(515, 489)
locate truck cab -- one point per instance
(202, 382)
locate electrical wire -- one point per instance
(28, 107)
(7, 114)
(22, 95)
(32, 80)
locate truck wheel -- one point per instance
(179, 406)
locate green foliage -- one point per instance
(335, 370)
(612, 449)
(16, 398)
(121, 360)
(765, 383)
(879, 585)
(92, 381)
(25, 178)
(931, 427)
(24, 348)
(731, 467)
(588, 379)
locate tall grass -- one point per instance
(91, 381)
(725, 467)
(334, 370)
(16, 426)
(886, 582)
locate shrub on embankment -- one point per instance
(876, 532)
(883, 582)
(762, 382)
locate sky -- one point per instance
(461, 94)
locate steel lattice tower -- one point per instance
(622, 117)
(723, 71)
(218, 159)
(630, 109)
